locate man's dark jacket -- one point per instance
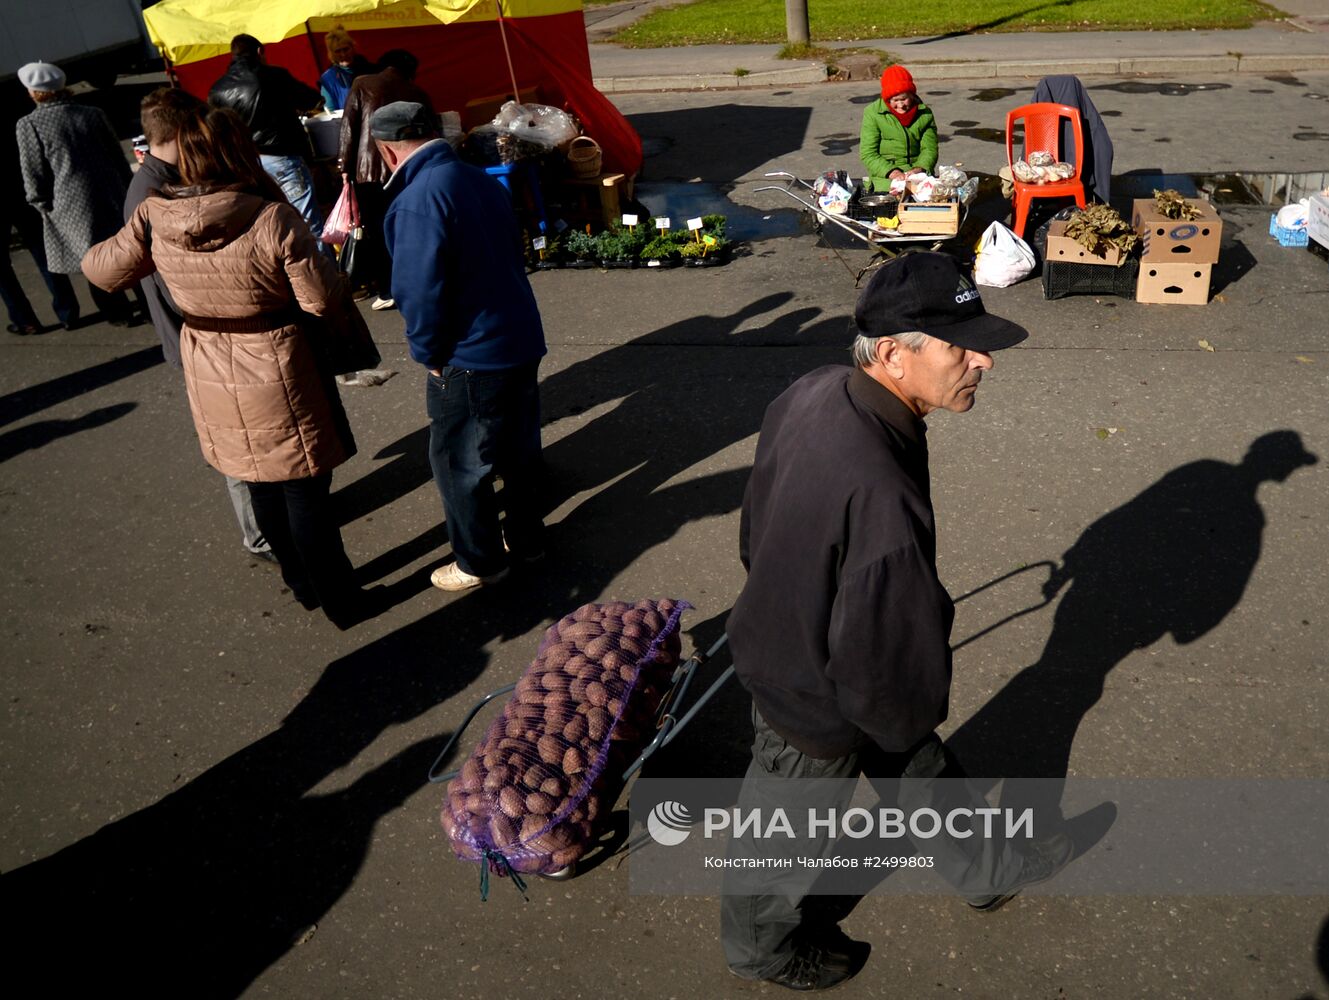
(154, 175)
(270, 100)
(457, 269)
(842, 629)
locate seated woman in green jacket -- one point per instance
(899, 134)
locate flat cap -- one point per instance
(42, 76)
(401, 120)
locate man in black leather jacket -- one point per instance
(270, 100)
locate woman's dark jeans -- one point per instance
(297, 519)
(483, 424)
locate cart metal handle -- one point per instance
(447, 750)
(669, 724)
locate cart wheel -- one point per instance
(563, 874)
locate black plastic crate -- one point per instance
(1063, 278)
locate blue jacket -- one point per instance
(457, 271)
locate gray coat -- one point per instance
(75, 174)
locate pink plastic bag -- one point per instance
(344, 217)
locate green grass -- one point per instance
(705, 22)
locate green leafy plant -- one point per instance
(695, 250)
(616, 243)
(581, 245)
(664, 246)
(713, 225)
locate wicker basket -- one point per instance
(584, 156)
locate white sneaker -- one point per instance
(453, 577)
(380, 303)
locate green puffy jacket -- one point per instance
(886, 145)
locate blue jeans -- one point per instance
(292, 174)
(484, 424)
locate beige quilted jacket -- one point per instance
(240, 269)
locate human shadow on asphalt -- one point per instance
(1175, 559)
(35, 398)
(661, 423)
(40, 433)
(203, 890)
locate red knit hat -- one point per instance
(896, 80)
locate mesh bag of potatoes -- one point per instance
(528, 797)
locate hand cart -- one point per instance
(886, 244)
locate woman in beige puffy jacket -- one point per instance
(242, 266)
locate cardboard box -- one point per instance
(1193, 241)
(1064, 250)
(1317, 222)
(927, 219)
(1182, 284)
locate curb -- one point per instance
(1124, 66)
(799, 73)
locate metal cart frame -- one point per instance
(882, 242)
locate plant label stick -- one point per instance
(706, 243)
(695, 226)
(630, 221)
(662, 223)
(539, 244)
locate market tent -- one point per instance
(464, 63)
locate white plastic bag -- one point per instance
(1003, 258)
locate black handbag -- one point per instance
(341, 338)
(350, 261)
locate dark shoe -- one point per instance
(24, 329)
(364, 605)
(266, 556)
(1042, 860)
(813, 969)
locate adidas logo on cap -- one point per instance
(966, 292)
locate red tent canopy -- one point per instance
(463, 65)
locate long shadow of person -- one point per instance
(216, 881)
(1175, 559)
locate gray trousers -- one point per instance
(244, 513)
(761, 929)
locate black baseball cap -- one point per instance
(931, 292)
(401, 120)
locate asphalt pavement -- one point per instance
(210, 792)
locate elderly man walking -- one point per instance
(460, 282)
(841, 632)
(75, 175)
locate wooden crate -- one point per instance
(940, 219)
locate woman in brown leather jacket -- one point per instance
(362, 164)
(243, 267)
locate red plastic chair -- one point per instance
(1042, 132)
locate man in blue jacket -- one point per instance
(460, 282)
